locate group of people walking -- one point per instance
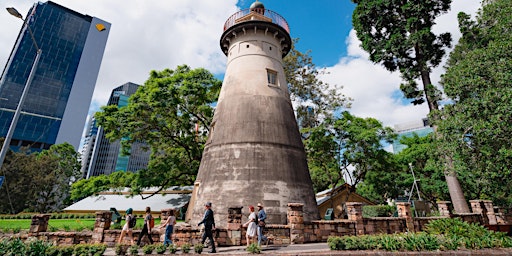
(149, 223)
(255, 226)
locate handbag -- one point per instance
(261, 223)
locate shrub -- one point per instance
(148, 248)
(185, 247)
(16, 247)
(198, 248)
(442, 234)
(37, 247)
(160, 248)
(172, 249)
(134, 250)
(121, 249)
(254, 248)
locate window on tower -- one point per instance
(271, 77)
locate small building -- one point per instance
(336, 198)
(175, 197)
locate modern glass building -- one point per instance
(56, 106)
(421, 128)
(106, 156)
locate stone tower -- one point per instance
(254, 153)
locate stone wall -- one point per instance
(296, 231)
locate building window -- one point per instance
(272, 77)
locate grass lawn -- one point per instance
(16, 225)
(53, 224)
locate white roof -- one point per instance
(163, 200)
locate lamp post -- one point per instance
(17, 113)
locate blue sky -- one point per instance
(322, 25)
(156, 34)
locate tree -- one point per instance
(421, 153)
(477, 125)
(39, 182)
(360, 144)
(398, 35)
(348, 147)
(313, 100)
(323, 152)
(172, 113)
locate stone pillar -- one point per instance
(486, 209)
(404, 211)
(102, 223)
(491, 215)
(39, 223)
(234, 226)
(478, 207)
(296, 221)
(355, 213)
(444, 208)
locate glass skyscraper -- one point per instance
(106, 156)
(56, 106)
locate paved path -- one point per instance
(322, 249)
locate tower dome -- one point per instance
(257, 5)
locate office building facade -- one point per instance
(404, 130)
(56, 106)
(106, 156)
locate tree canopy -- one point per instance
(477, 125)
(39, 182)
(171, 113)
(398, 34)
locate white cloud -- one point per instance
(154, 34)
(145, 35)
(374, 89)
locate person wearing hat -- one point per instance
(262, 216)
(126, 227)
(209, 225)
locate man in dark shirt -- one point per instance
(209, 225)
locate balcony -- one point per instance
(256, 14)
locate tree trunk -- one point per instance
(456, 194)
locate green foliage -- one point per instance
(441, 234)
(370, 211)
(42, 248)
(313, 99)
(172, 248)
(15, 247)
(347, 145)
(121, 249)
(160, 248)
(39, 182)
(398, 35)
(134, 250)
(148, 248)
(185, 248)
(163, 113)
(476, 126)
(198, 248)
(254, 248)
(314, 102)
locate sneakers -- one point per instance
(212, 251)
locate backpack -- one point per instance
(151, 222)
(132, 222)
